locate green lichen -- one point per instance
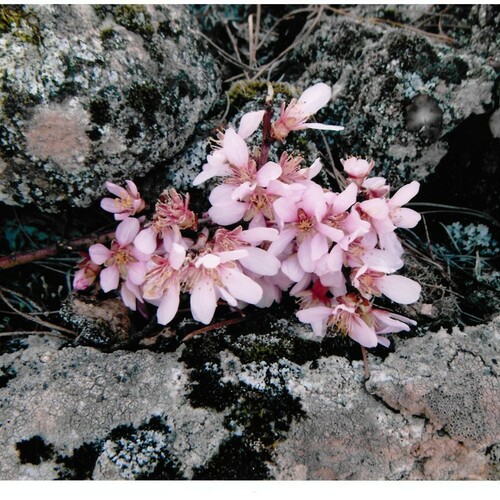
(243, 91)
(135, 18)
(21, 23)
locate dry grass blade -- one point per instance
(34, 319)
(209, 328)
(32, 332)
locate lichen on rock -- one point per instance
(112, 92)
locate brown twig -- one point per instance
(35, 319)
(21, 258)
(209, 328)
(365, 363)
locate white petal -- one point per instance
(314, 314)
(241, 286)
(322, 126)
(209, 261)
(109, 278)
(250, 123)
(203, 301)
(232, 255)
(176, 256)
(257, 235)
(127, 230)
(267, 173)
(404, 194)
(145, 241)
(261, 262)
(400, 289)
(235, 149)
(168, 306)
(99, 254)
(314, 98)
(228, 213)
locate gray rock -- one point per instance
(428, 411)
(72, 396)
(397, 92)
(96, 93)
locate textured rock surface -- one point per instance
(233, 408)
(95, 93)
(429, 411)
(78, 401)
(397, 92)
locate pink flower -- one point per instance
(162, 283)
(123, 260)
(295, 115)
(216, 275)
(231, 200)
(87, 273)
(397, 288)
(357, 168)
(129, 201)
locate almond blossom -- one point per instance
(295, 115)
(123, 261)
(128, 203)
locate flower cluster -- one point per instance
(270, 228)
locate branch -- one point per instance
(21, 258)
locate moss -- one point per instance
(235, 460)
(21, 23)
(100, 111)
(145, 98)
(34, 451)
(135, 18)
(81, 464)
(245, 90)
(454, 70)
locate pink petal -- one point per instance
(405, 217)
(209, 171)
(132, 188)
(319, 246)
(304, 254)
(235, 149)
(176, 256)
(128, 297)
(136, 272)
(110, 205)
(399, 289)
(332, 233)
(209, 261)
(362, 333)
(313, 201)
(376, 208)
(116, 190)
(257, 235)
(267, 173)
(250, 123)
(314, 98)
(314, 314)
(241, 286)
(313, 170)
(243, 190)
(146, 240)
(169, 305)
(127, 230)
(261, 262)
(404, 194)
(285, 210)
(280, 244)
(109, 278)
(203, 301)
(227, 296)
(345, 199)
(291, 267)
(232, 255)
(221, 194)
(99, 254)
(322, 126)
(228, 213)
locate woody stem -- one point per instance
(266, 134)
(21, 258)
